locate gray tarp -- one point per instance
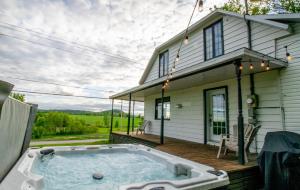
(13, 124)
(279, 161)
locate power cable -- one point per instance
(56, 84)
(69, 43)
(57, 94)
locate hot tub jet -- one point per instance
(98, 176)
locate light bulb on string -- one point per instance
(177, 58)
(268, 67)
(251, 66)
(200, 5)
(186, 40)
(289, 57)
(262, 64)
(241, 67)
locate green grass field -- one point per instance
(93, 119)
(102, 133)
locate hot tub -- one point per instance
(124, 167)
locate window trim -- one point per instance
(159, 71)
(157, 101)
(213, 39)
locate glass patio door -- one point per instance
(216, 115)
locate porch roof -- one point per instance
(217, 69)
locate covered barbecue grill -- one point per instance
(279, 160)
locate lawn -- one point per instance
(102, 132)
(94, 120)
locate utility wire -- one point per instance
(69, 43)
(57, 94)
(56, 84)
(57, 48)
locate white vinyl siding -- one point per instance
(235, 34)
(269, 110)
(153, 74)
(278, 91)
(190, 54)
(290, 80)
(187, 123)
(263, 38)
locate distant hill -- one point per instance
(82, 112)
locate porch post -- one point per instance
(129, 110)
(111, 117)
(240, 114)
(133, 104)
(162, 117)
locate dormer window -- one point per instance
(163, 63)
(213, 40)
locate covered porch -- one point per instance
(234, 66)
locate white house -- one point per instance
(202, 99)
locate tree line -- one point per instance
(59, 123)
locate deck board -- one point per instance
(201, 153)
(241, 177)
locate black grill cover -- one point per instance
(279, 160)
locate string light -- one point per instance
(177, 58)
(268, 67)
(186, 40)
(183, 41)
(262, 64)
(251, 66)
(200, 7)
(241, 67)
(289, 57)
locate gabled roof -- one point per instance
(284, 18)
(200, 23)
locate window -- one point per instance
(213, 40)
(163, 63)
(167, 108)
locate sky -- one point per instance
(86, 47)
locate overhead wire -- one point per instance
(69, 43)
(57, 84)
(58, 94)
(60, 49)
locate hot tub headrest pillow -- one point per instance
(47, 151)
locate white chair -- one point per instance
(231, 143)
(141, 128)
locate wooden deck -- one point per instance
(204, 154)
(240, 176)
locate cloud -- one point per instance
(86, 43)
